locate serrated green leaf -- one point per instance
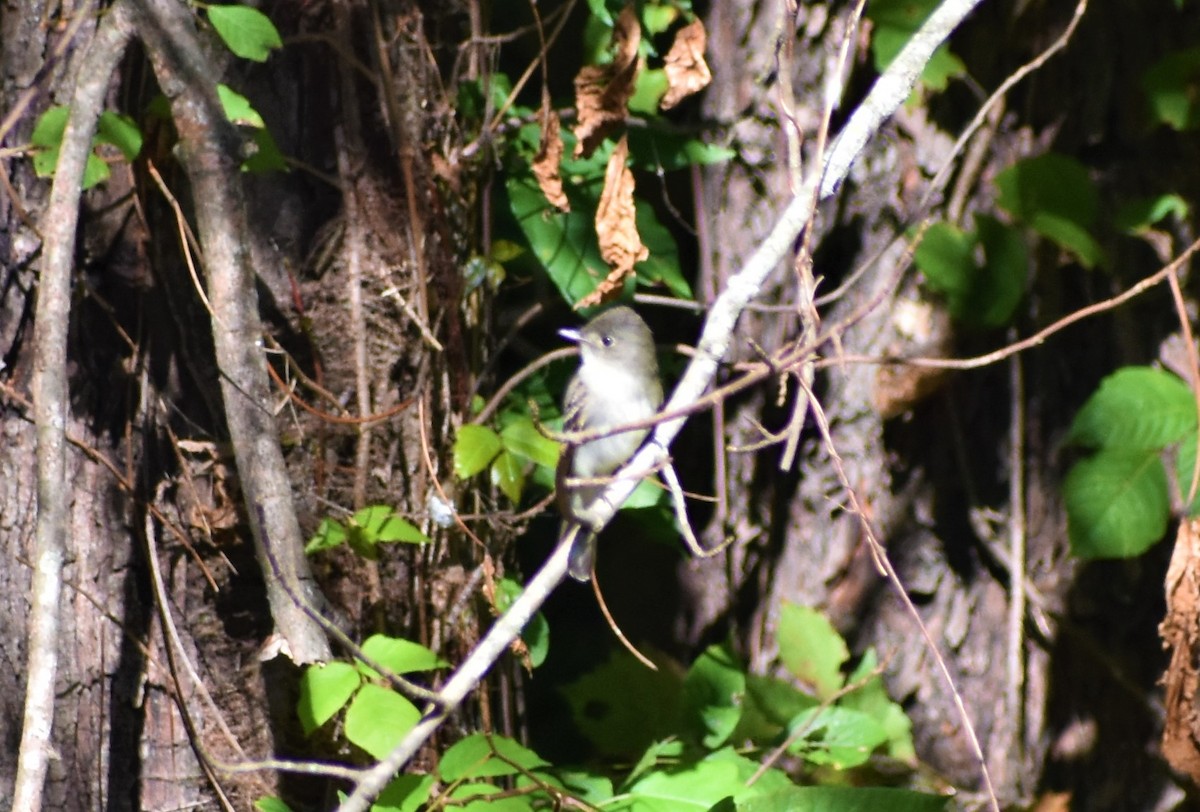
(483, 756)
(120, 131)
(845, 799)
(330, 533)
(811, 649)
(1185, 462)
(324, 690)
(399, 656)
(521, 437)
(405, 793)
(474, 448)
(246, 31)
(1171, 86)
(1117, 503)
(836, 736)
(238, 108)
(378, 718)
(1139, 215)
(1136, 408)
(713, 692)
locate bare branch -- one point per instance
(53, 533)
(208, 149)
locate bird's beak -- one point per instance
(571, 334)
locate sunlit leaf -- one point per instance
(324, 690)
(811, 648)
(1117, 503)
(474, 448)
(378, 718)
(400, 656)
(1137, 408)
(246, 31)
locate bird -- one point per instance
(617, 383)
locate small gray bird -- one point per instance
(616, 384)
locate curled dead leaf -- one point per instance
(546, 162)
(616, 226)
(602, 92)
(687, 72)
(1180, 633)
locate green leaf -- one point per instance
(595, 789)
(1185, 462)
(537, 633)
(271, 805)
(845, 799)
(474, 448)
(653, 150)
(713, 692)
(994, 299)
(946, 256)
(1136, 408)
(692, 787)
(770, 704)
(895, 23)
(406, 793)
(1137, 216)
(48, 135)
(622, 706)
(378, 718)
(1054, 194)
(871, 698)
(381, 525)
(661, 267)
(238, 108)
(399, 656)
(1172, 87)
(330, 533)
(246, 31)
(1069, 236)
(811, 648)
(1117, 503)
(266, 156)
(120, 131)
(480, 797)
(521, 437)
(508, 475)
(483, 756)
(649, 88)
(324, 690)
(836, 736)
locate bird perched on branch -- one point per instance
(616, 384)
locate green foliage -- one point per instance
(271, 805)
(246, 31)
(895, 21)
(1137, 216)
(1117, 500)
(508, 455)
(1054, 195)
(266, 156)
(983, 293)
(365, 531)
(536, 635)
(811, 649)
(844, 799)
(1172, 88)
(112, 129)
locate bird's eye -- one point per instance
(608, 341)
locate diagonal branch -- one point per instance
(885, 97)
(208, 146)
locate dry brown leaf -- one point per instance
(616, 226)
(546, 162)
(602, 92)
(1180, 632)
(687, 72)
